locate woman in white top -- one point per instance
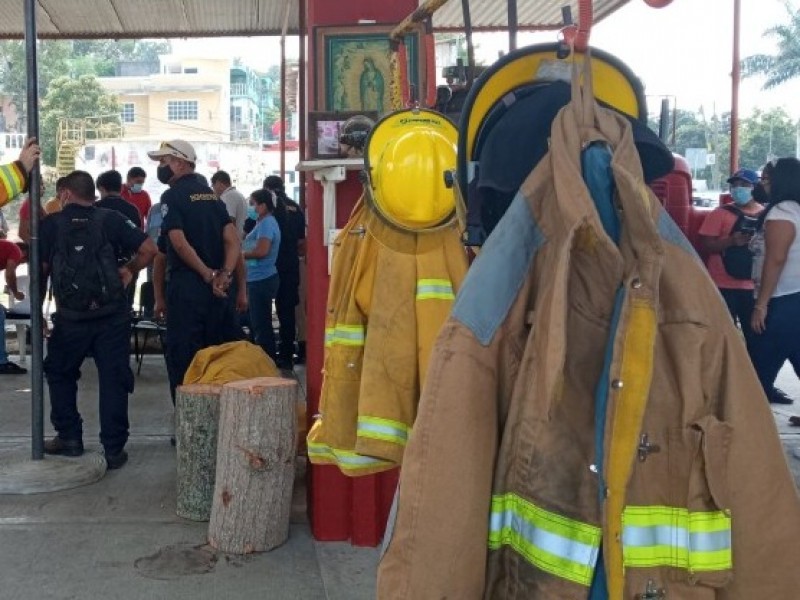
(776, 316)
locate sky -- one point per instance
(682, 51)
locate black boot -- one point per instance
(300, 357)
(284, 361)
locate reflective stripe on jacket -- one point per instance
(390, 293)
(502, 493)
(13, 181)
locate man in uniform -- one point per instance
(109, 186)
(293, 236)
(80, 249)
(199, 251)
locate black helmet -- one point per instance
(354, 134)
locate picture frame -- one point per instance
(352, 67)
(324, 129)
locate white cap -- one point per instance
(178, 148)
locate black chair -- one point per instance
(144, 323)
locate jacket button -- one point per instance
(636, 283)
(617, 384)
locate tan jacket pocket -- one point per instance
(699, 476)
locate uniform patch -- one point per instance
(202, 197)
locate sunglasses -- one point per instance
(174, 149)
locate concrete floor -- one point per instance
(120, 538)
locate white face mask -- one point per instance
(136, 188)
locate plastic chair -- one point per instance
(143, 323)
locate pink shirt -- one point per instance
(718, 224)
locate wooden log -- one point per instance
(255, 465)
(196, 428)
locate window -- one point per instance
(190, 70)
(182, 110)
(128, 112)
(236, 114)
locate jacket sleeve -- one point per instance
(13, 181)
(438, 545)
(763, 499)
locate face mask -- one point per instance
(251, 213)
(165, 173)
(136, 188)
(741, 195)
(760, 195)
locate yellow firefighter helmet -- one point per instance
(407, 157)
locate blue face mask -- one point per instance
(741, 195)
(136, 188)
(251, 212)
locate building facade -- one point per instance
(186, 98)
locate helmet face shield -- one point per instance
(406, 158)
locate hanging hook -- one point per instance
(566, 35)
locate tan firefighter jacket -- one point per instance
(390, 293)
(503, 492)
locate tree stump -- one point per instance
(255, 465)
(196, 427)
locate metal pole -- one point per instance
(302, 104)
(34, 260)
(513, 25)
(283, 108)
(284, 30)
(735, 78)
(470, 46)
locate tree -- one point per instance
(764, 136)
(102, 56)
(58, 58)
(785, 64)
(52, 62)
(73, 98)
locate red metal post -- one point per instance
(735, 79)
(341, 508)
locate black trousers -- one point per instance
(286, 301)
(740, 304)
(196, 319)
(108, 341)
(779, 342)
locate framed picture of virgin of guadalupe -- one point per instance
(353, 67)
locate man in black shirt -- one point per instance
(109, 185)
(292, 224)
(199, 252)
(92, 315)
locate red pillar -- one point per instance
(341, 508)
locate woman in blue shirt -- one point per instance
(260, 249)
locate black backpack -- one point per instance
(86, 283)
(738, 260)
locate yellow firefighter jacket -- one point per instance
(512, 488)
(389, 294)
(232, 361)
